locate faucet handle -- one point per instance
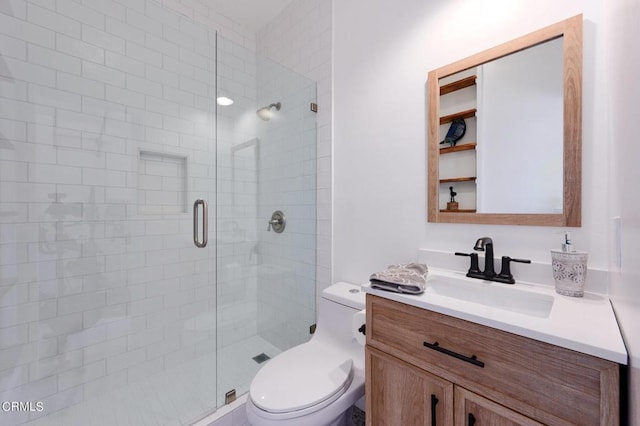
(505, 275)
(474, 269)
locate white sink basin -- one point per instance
(490, 294)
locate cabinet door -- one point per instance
(474, 410)
(398, 393)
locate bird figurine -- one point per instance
(456, 132)
(453, 204)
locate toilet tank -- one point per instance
(350, 295)
(338, 304)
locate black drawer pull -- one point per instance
(472, 420)
(434, 401)
(436, 347)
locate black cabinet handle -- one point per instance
(472, 360)
(472, 420)
(434, 401)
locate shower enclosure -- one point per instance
(113, 310)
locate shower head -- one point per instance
(265, 112)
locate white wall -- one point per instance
(623, 57)
(382, 53)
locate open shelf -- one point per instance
(460, 179)
(458, 148)
(462, 114)
(457, 85)
(459, 168)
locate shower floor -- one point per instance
(178, 396)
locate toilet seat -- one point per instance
(284, 384)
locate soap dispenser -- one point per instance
(569, 268)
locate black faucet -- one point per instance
(486, 244)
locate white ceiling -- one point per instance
(251, 14)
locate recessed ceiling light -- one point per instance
(224, 101)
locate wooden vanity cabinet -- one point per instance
(479, 375)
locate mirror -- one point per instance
(519, 108)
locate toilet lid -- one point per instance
(300, 378)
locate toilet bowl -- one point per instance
(316, 383)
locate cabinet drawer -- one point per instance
(550, 384)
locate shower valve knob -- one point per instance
(273, 222)
(277, 222)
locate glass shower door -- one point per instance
(266, 164)
(107, 308)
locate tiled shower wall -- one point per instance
(105, 107)
(300, 38)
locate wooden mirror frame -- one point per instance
(571, 31)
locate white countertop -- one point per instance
(584, 324)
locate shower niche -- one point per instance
(162, 183)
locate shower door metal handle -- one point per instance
(205, 223)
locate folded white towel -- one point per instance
(402, 278)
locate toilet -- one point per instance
(316, 383)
